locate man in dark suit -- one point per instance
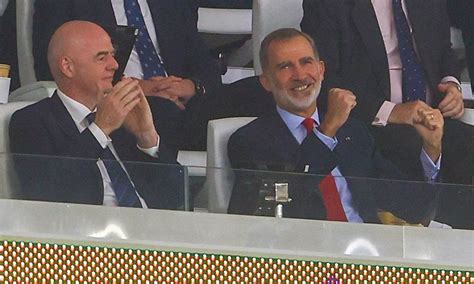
(171, 25)
(461, 15)
(358, 40)
(81, 58)
(332, 144)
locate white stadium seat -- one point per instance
(219, 175)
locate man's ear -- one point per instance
(322, 69)
(265, 81)
(66, 66)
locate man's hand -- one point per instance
(429, 126)
(452, 105)
(340, 104)
(176, 89)
(139, 122)
(406, 113)
(113, 107)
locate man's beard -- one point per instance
(295, 104)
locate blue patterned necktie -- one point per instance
(413, 78)
(121, 184)
(149, 58)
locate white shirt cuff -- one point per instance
(381, 118)
(450, 79)
(153, 151)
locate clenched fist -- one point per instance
(340, 104)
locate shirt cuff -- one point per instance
(381, 118)
(452, 79)
(330, 142)
(99, 135)
(153, 151)
(430, 169)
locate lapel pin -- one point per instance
(347, 138)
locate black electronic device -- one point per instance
(123, 39)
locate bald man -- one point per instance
(88, 117)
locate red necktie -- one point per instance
(327, 187)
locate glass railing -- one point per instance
(85, 181)
(245, 192)
(380, 201)
(286, 236)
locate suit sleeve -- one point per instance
(200, 65)
(46, 177)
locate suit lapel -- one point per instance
(417, 11)
(62, 117)
(279, 130)
(160, 13)
(287, 147)
(366, 23)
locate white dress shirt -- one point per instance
(79, 113)
(134, 67)
(297, 129)
(384, 12)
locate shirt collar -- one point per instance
(294, 121)
(77, 110)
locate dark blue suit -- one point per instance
(184, 54)
(47, 129)
(267, 144)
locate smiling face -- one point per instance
(294, 75)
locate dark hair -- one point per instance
(281, 35)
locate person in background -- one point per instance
(396, 57)
(461, 15)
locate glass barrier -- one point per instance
(88, 181)
(246, 192)
(289, 239)
(364, 200)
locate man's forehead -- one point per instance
(282, 56)
(293, 46)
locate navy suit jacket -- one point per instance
(267, 144)
(60, 164)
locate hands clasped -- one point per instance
(175, 89)
(127, 106)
